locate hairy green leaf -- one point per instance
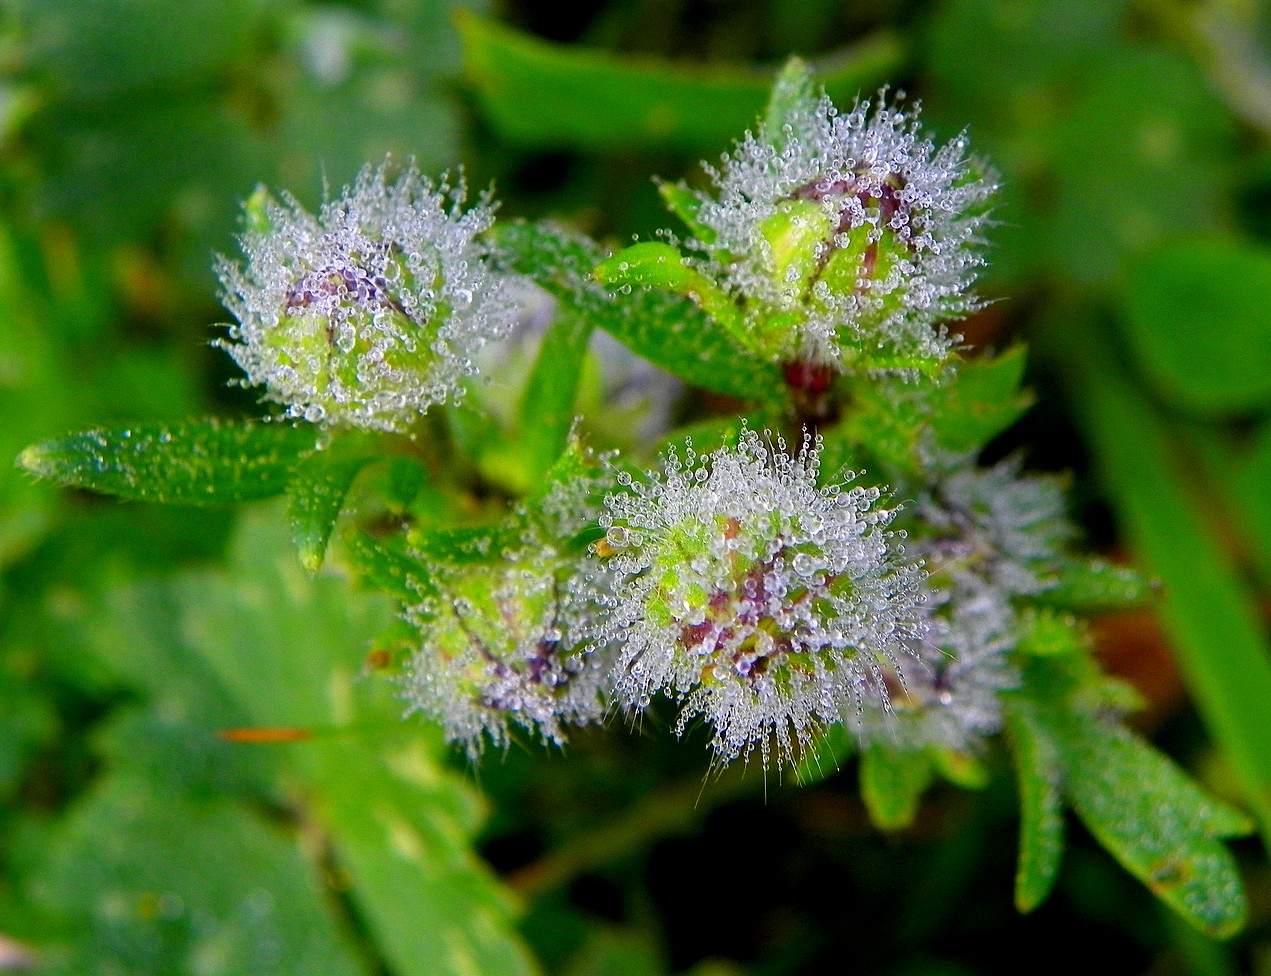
(315, 498)
(211, 462)
(666, 329)
(1156, 822)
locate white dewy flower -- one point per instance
(763, 603)
(370, 312)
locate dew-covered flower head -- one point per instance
(850, 237)
(500, 648)
(368, 313)
(764, 603)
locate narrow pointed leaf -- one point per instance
(547, 406)
(1041, 829)
(315, 499)
(892, 784)
(1156, 822)
(208, 462)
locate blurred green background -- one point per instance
(1133, 253)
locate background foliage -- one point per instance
(195, 771)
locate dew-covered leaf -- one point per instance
(315, 498)
(665, 329)
(536, 92)
(892, 784)
(1041, 830)
(384, 566)
(1092, 585)
(1204, 604)
(209, 462)
(1156, 822)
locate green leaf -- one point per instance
(1041, 831)
(826, 756)
(152, 881)
(539, 93)
(892, 784)
(1214, 624)
(1044, 632)
(658, 265)
(685, 204)
(315, 498)
(385, 567)
(1092, 585)
(665, 329)
(979, 401)
(290, 648)
(1156, 822)
(547, 406)
(1197, 319)
(211, 462)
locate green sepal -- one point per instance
(1039, 775)
(892, 784)
(792, 90)
(209, 462)
(685, 204)
(315, 498)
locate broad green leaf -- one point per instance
(315, 498)
(547, 406)
(536, 92)
(155, 881)
(211, 462)
(1041, 829)
(665, 329)
(401, 827)
(1091, 585)
(1214, 625)
(892, 784)
(1155, 821)
(1198, 322)
(685, 204)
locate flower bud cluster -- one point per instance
(370, 312)
(762, 602)
(989, 536)
(849, 239)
